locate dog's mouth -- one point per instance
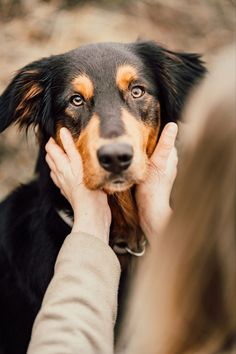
(117, 184)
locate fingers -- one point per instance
(70, 148)
(55, 179)
(57, 159)
(50, 163)
(57, 183)
(165, 145)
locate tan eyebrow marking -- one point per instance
(125, 75)
(83, 85)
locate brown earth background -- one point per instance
(31, 29)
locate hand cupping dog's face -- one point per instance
(114, 98)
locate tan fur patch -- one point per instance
(152, 140)
(124, 76)
(24, 108)
(129, 211)
(83, 85)
(59, 125)
(33, 90)
(87, 145)
(125, 218)
(153, 135)
(137, 136)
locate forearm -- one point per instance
(79, 308)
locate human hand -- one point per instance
(153, 195)
(91, 211)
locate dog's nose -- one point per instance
(115, 157)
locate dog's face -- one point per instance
(109, 101)
(114, 98)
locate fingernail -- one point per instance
(172, 128)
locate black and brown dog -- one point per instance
(115, 99)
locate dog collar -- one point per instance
(65, 217)
(123, 248)
(120, 247)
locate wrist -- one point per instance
(153, 226)
(94, 229)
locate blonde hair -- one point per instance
(184, 298)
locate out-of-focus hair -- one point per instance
(184, 298)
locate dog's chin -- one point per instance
(117, 185)
(114, 183)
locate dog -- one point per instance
(115, 99)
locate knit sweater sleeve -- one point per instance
(79, 307)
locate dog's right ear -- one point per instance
(175, 73)
(27, 99)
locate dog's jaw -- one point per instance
(111, 188)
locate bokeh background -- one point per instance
(31, 29)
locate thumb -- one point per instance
(164, 146)
(69, 146)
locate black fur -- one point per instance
(31, 232)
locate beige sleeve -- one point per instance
(79, 307)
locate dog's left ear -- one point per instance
(27, 99)
(175, 74)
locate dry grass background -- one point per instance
(30, 29)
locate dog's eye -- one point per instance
(77, 100)
(137, 91)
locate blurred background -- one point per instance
(31, 29)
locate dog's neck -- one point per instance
(125, 219)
